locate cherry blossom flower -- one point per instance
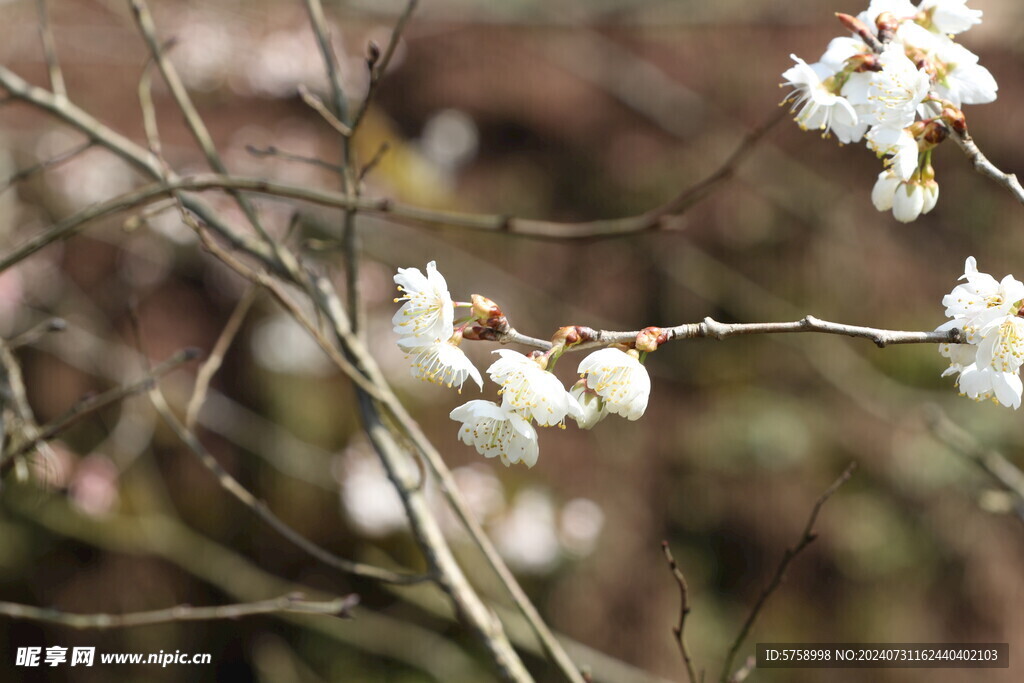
(428, 312)
(497, 431)
(898, 88)
(900, 144)
(593, 406)
(982, 299)
(949, 16)
(620, 379)
(816, 93)
(988, 312)
(440, 362)
(532, 391)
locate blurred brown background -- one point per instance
(560, 110)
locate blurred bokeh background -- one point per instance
(561, 110)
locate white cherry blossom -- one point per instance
(950, 16)
(898, 89)
(899, 144)
(532, 391)
(428, 312)
(593, 407)
(440, 362)
(497, 431)
(982, 299)
(818, 104)
(620, 379)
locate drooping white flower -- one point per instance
(593, 407)
(908, 203)
(620, 379)
(440, 362)
(884, 191)
(532, 391)
(982, 299)
(950, 16)
(899, 144)
(898, 89)
(981, 383)
(428, 312)
(497, 431)
(815, 93)
(907, 200)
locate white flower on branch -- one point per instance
(428, 312)
(620, 379)
(817, 94)
(988, 311)
(949, 16)
(593, 407)
(982, 299)
(532, 391)
(899, 82)
(440, 362)
(497, 431)
(898, 89)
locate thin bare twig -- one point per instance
(260, 509)
(287, 156)
(378, 66)
(806, 539)
(316, 104)
(50, 51)
(294, 602)
(91, 404)
(213, 362)
(684, 611)
(34, 334)
(374, 160)
(45, 165)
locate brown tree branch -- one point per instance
(806, 538)
(293, 602)
(684, 611)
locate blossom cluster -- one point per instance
(988, 313)
(612, 380)
(898, 83)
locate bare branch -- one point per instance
(91, 404)
(316, 104)
(294, 602)
(985, 167)
(213, 362)
(379, 65)
(45, 165)
(260, 509)
(287, 156)
(50, 51)
(34, 334)
(684, 611)
(806, 539)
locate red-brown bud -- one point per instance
(489, 314)
(954, 118)
(650, 338)
(479, 333)
(887, 23)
